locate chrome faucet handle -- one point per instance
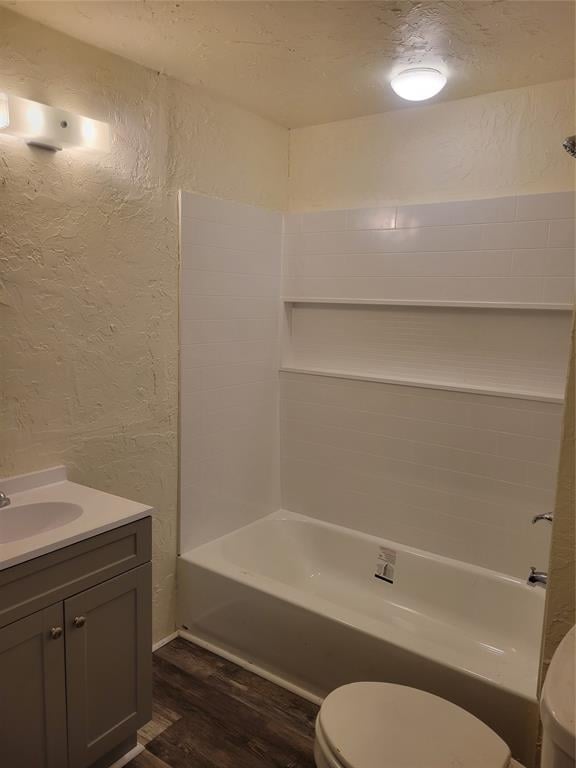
(544, 516)
(537, 577)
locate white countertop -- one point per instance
(100, 512)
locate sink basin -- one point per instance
(23, 521)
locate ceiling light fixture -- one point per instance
(50, 128)
(4, 115)
(418, 84)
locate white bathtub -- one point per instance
(297, 600)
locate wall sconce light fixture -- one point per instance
(50, 128)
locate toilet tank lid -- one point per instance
(557, 701)
(367, 725)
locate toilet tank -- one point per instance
(557, 707)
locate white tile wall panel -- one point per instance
(221, 352)
(503, 249)
(451, 472)
(222, 399)
(515, 234)
(553, 205)
(371, 218)
(544, 263)
(431, 524)
(228, 308)
(238, 329)
(207, 421)
(214, 376)
(561, 234)
(323, 221)
(229, 302)
(501, 414)
(419, 264)
(218, 259)
(214, 234)
(292, 223)
(469, 289)
(509, 350)
(204, 283)
(458, 212)
(493, 466)
(558, 290)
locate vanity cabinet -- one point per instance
(33, 692)
(75, 673)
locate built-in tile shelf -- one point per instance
(498, 349)
(427, 303)
(453, 386)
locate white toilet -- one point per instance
(379, 725)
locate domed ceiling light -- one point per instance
(418, 84)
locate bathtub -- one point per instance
(297, 601)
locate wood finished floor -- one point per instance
(210, 713)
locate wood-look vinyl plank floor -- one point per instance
(210, 713)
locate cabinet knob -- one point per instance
(55, 632)
(79, 621)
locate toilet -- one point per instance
(380, 725)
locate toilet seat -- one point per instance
(380, 725)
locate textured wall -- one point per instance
(89, 248)
(504, 143)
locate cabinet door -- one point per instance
(33, 692)
(108, 664)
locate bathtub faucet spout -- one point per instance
(545, 516)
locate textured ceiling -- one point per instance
(301, 63)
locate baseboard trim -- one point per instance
(250, 666)
(164, 641)
(128, 756)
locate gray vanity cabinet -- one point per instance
(75, 652)
(33, 692)
(107, 648)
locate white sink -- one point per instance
(48, 512)
(25, 520)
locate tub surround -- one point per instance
(230, 289)
(516, 250)
(423, 366)
(436, 442)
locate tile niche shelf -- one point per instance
(513, 354)
(433, 303)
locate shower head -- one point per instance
(569, 145)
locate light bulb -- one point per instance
(4, 111)
(418, 84)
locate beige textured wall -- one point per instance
(561, 591)
(503, 143)
(89, 281)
